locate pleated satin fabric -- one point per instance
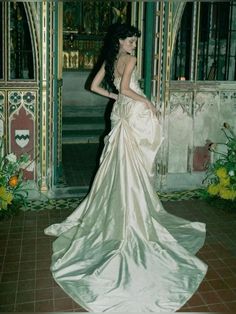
(120, 251)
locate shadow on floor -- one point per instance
(80, 163)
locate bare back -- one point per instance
(119, 65)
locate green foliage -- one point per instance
(12, 192)
(221, 175)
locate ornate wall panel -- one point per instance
(19, 93)
(228, 107)
(195, 117)
(180, 127)
(206, 117)
(22, 126)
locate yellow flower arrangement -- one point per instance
(221, 172)
(12, 192)
(221, 175)
(213, 189)
(224, 181)
(5, 197)
(227, 194)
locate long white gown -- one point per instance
(120, 251)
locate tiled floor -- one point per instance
(27, 286)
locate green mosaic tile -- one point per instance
(72, 203)
(53, 204)
(181, 195)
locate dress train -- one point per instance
(120, 250)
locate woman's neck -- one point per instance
(121, 54)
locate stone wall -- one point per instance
(194, 119)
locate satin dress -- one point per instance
(120, 251)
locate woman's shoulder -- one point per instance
(130, 62)
(130, 59)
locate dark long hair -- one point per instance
(111, 48)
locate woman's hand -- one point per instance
(152, 107)
(113, 96)
(155, 111)
(158, 113)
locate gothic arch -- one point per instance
(33, 22)
(176, 22)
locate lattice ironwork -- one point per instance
(205, 47)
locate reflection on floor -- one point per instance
(26, 284)
(80, 162)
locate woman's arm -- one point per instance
(95, 86)
(125, 84)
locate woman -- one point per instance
(120, 250)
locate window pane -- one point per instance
(181, 58)
(215, 41)
(1, 41)
(215, 56)
(232, 46)
(21, 56)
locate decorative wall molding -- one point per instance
(29, 99)
(196, 114)
(205, 98)
(228, 96)
(182, 99)
(17, 98)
